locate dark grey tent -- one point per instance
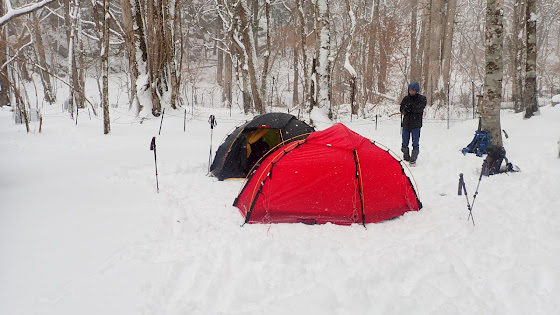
(248, 143)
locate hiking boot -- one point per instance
(406, 155)
(414, 155)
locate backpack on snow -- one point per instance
(479, 143)
(493, 163)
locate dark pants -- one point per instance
(415, 133)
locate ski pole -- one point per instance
(161, 122)
(469, 206)
(213, 123)
(482, 172)
(153, 148)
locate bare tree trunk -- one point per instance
(307, 96)
(49, 94)
(130, 43)
(156, 50)
(323, 69)
(517, 52)
(415, 64)
(530, 95)
(220, 70)
(4, 83)
(371, 61)
(424, 43)
(242, 55)
(383, 62)
(105, 67)
(72, 74)
(448, 41)
(171, 28)
(249, 47)
(265, 70)
(347, 64)
(228, 80)
(295, 85)
(490, 118)
(434, 81)
(255, 21)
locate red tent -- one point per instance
(334, 175)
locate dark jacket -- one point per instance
(412, 108)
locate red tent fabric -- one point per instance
(334, 175)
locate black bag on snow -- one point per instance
(494, 159)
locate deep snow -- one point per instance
(83, 230)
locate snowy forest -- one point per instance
(292, 54)
(94, 221)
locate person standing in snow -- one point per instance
(412, 109)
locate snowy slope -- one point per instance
(83, 230)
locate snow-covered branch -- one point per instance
(28, 8)
(19, 50)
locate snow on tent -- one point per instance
(334, 175)
(248, 143)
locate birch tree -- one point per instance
(302, 22)
(105, 66)
(134, 54)
(347, 65)
(518, 47)
(490, 116)
(323, 69)
(250, 53)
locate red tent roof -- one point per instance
(334, 175)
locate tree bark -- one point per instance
(49, 94)
(250, 50)
(228, 80)
(371, 61)
(415, 64)
(490, 118)
(130, 44)
(105, 67)
(448, 42)
(71, 16)
(323, 69)
(424, 45)
(518, 34)
(434, 85)
(530, 95)
(307, 95)
(383, 62)
(347, 64)
(4, 83)
(242, 56)
(266, 66)
(295, 85)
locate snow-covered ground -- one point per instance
(83, 230)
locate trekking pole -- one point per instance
(161, 122)
(483, 171)
(469, 207)
(153, 148)
(213, 123)
(461, 183)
